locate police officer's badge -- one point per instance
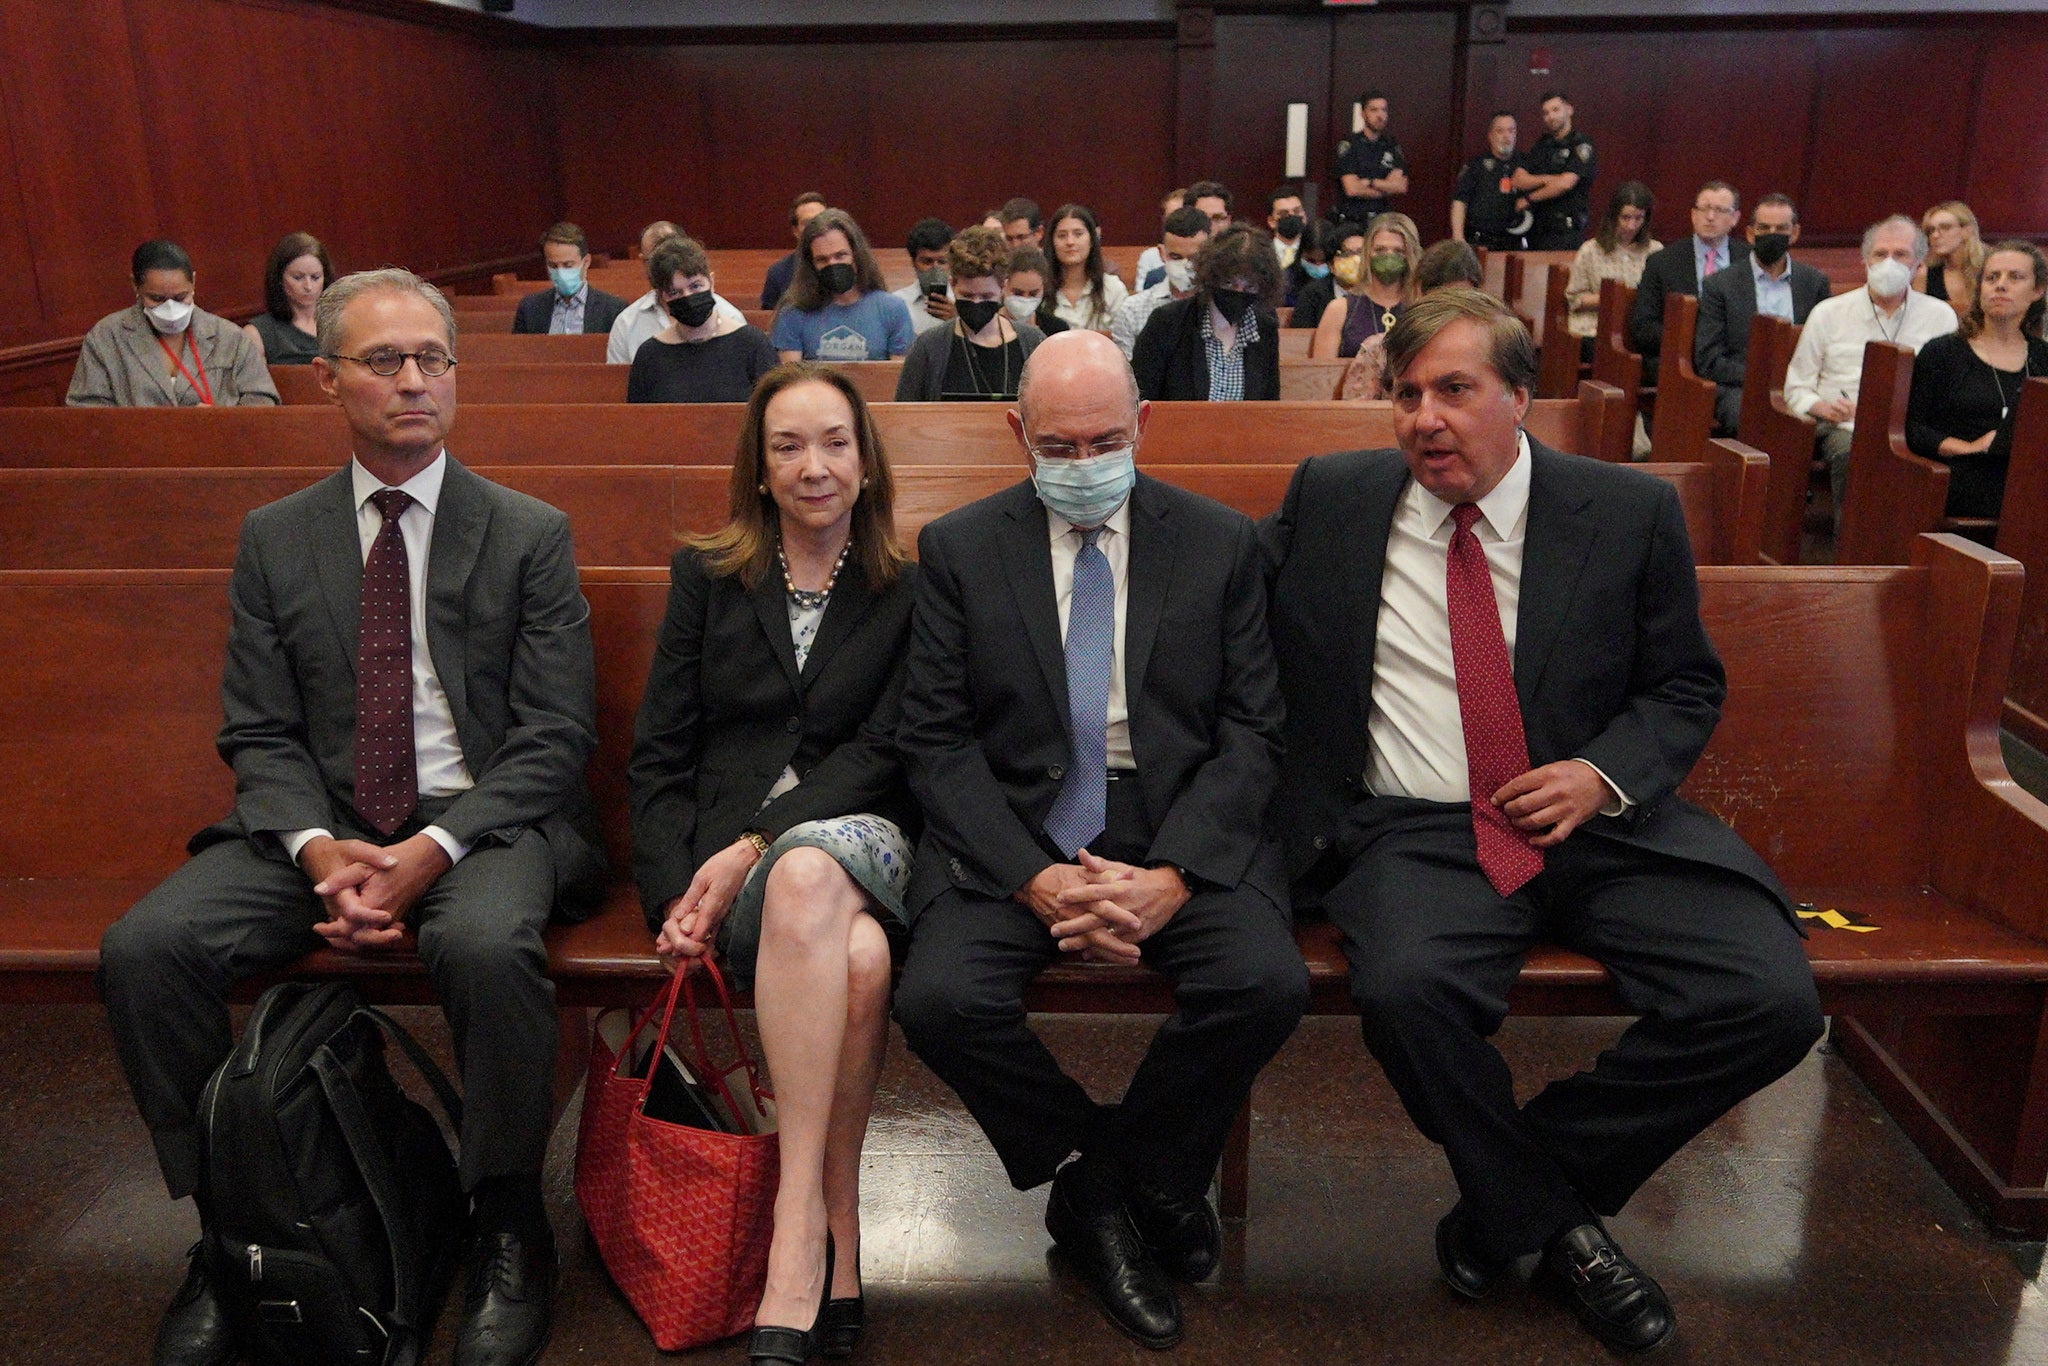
(1585, 151)
(1344, 148)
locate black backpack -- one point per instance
(336, 1214)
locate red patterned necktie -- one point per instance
(387, 776)
(1495, 747)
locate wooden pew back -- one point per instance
(1613, 362)
(1771, 344)
(1558, 368)
(2023, 534)
(1893, 494)
(1684, 418)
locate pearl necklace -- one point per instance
(810, 600)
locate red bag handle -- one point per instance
(678, 988)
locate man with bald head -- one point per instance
(1091, 720)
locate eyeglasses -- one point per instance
(1715, 209)
(432, 364)
(1066, 450)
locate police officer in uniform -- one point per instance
(1557, 176)
(1371, 168)
(1486, 210)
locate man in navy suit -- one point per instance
(568, 304)
(1496, 678)
(1769, 282)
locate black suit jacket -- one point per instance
(1611, 664)
(1670, 270)
(509, 633)
(985, 714)
(726, 710)
(1720, 344)
(1171, 363)
(600, 311)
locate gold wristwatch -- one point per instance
(758, 840)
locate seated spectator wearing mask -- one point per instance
(648, 314)
(802, 210)
(1150, 270)
(569, 304)
(1286, 221)
(293, 278)
(980, 356)
(927, 297)
(164, 351)
(1966, 384)
(1181, 236)
(1769, 282)
(1085, 293)
(1377, 290)
(837, 308)
(1223, 343)
(704, 355)
(1449, 262)
(1313, 286)
(1026, 300)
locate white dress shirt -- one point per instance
(1115, 545)
(437, 750)
(1828, 362)
(1417, 730)
(1134, 312)
(644, 317)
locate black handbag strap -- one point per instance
(378, 1178)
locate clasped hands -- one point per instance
(690, 922)
(1101, 909)
(367, 888)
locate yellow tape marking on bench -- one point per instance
(1835, 920)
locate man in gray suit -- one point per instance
(409, 704)
(1770, 281)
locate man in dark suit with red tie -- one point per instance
(1496, 679)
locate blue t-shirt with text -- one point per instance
(875, 326)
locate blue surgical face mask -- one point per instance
(567, 279)
(1314, 270)
(1086, 491)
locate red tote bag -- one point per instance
(682, 1216)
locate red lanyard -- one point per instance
(198, 383)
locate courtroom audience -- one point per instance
(1221, 344)
(1180, 237)
(980, 355)
(1616, 252)
(1314, 284)
(1955, 255)
(1149, 268)
(1826, 371)
(1029, 299)
(1967, 383)
(802, 210)
(1684, 266)
(704, 355)
(1085, 294)
(1449, 262)
(927, 297)
(838, 308)
(164, 351)
(569, 304)
(1771, 283)
(1023, 225)
(298, 269)
(649, 313)
(1377, 287)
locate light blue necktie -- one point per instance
(1080, 812)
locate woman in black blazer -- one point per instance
(1237, 281)
(771, 823)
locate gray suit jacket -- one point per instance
(120, 365)
(509, 632)
(1720, 343)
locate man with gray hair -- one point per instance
(1826, 373)
(409, 704)
(1496, 679)
(1091, 724)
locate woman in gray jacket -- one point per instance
(979, 357)
(165, 352)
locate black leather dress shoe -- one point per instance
(195, 1330)
(1612, 1296)
(1467, 1269)
(1088, 1220)
(1184, 1236)
(508, 1303)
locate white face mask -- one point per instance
(1020, 307)
(170, 317)
(1888, 278)
(1180, 276)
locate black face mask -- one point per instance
(1290, 226)
(976, 314)
(1770, 247)
(837, 278)
(1233, 304)
(692, 309)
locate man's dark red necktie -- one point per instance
(1495, 747)
(387, 776)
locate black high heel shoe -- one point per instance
(840, 1327)
(794, 1346)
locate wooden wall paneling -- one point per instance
(1263, 63)
(1194, 59)
(1612, 80)
(1411, 56)
(21, 304)
(2006, 187)
(80, 152)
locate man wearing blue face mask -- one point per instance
(568, 304)
(1091, 721)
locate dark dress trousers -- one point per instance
(726, 711)
(537, 310)
(1611, 665)
(985, 740)
(1671, 269)
(1720, 343)
(509, 633)
(1172, 363)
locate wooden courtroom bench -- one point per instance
(1785, 437)
(2023, 534)
(1851, 753)
(1613, 362)
(1893, 494)
(1684, 416)
(1558, 367)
